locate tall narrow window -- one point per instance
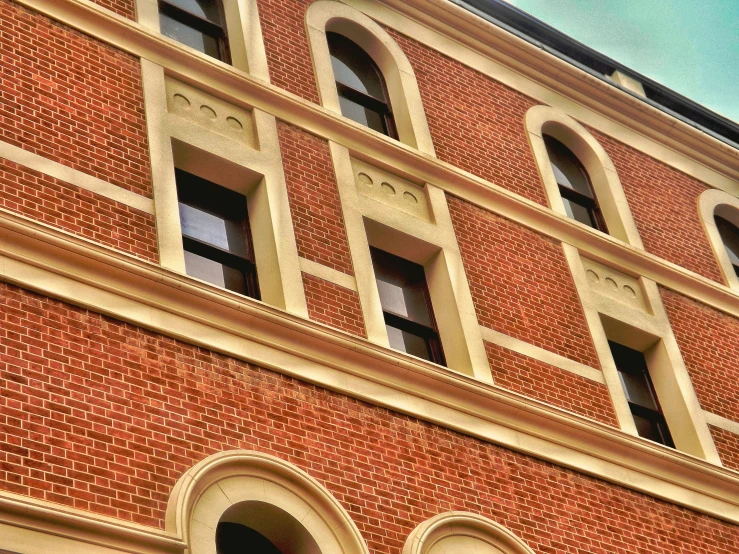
(574, 185)
(196, 23)
(406, 305)
(215, 234)
(730, 237)
(360, 85)
(637, 384)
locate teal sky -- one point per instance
(690, 46)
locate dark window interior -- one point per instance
(234, 538)
(637, 384)
(196, 23)
(361, 87)
(574, 185)
(215, 234)
(406, 305)
(730, 237)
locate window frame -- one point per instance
(734, 229)
(218, 32)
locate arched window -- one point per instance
(362, 93)
(199, 24)
(574, 185)
(730, 237)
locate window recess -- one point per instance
(730, 237)
(199, 24)
(406, 306)
(216, 235)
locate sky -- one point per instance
(690, 46)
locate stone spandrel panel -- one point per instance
(211, 113)
(615, 285)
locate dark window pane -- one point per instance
(363, 115)
(648, 429)
(402, 287)
(224, 233)
(189, 36)
(215, 273)
(568, 170)
(234, 538)
(580, 213)
(207, 9)
(730, 237)
(408, 342)
(354, 68)
(637, 389)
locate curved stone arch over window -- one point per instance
(460, 532)
(329, 16)
(247, 484)
(545, 120)
(712, 203)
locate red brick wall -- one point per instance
(550, 384)
(77, 210)
(480, 130)
(709, 342)
(73, 99)
(314, 199)
(105, 417)
(126, 8)
(664, 203)
(288, 54)
(333, 305)
(727, 444)
(521, 284)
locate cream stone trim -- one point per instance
(646, 328)
(710, 204)
(328, 274)
(430, 242)
(542, 355)
(222, 480)
(210, 152)
(62, 266)
(627, 82)
(722, 422)
(34, 526)
(243, 28)
(543, 120)
(405, 98)
(74, 177)
(453, 532)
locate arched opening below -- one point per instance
(255, 527)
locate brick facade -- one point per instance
(77, 210)
(727, 444)
(72, 99)
(126, 8)
(105, 416)
(520, 283)
(314, 199)
(333, 305)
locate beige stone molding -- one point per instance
(453, 532)
(722, 422)
(627, 82)
(542, 355)
(405, 98)
(237, 485)
(30, 525)
(247, 92)
(629, 310)
(73, 270)
(74, 177)
(328, 274)
(710, 204)
(542, 121)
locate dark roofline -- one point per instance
(558, 44)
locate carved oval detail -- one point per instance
(611, 283)
(180, 102)
(411, 198)
(208, 112)
(234, 124)
(387, 188)
(631, 293)
(364, 179)
(593, 276)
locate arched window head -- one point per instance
(359, 83)
(730, 237)
(199, 24)
(574, 185)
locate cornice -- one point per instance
(78, 271)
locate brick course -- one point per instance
(314, 199)
(664, 203)
(520, 283)
(72, 99)
(333, 305)
(126, 8)
(709, 342)
(550, 384)
(77, 210)
(727, 444)
(106, 417)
